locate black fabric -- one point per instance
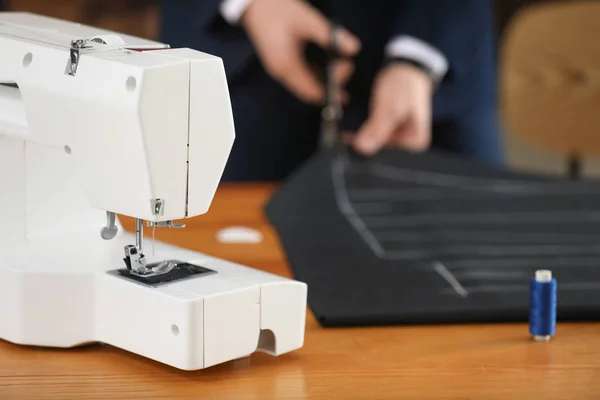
(455, 241)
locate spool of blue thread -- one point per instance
(542, 309)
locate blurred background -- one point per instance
(572, 97)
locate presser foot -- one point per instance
(135, 261)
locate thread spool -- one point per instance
(542, 311)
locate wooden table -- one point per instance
(462, 362)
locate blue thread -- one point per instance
(542, 311)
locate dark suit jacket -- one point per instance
(267, 118)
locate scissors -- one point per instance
(332, 112)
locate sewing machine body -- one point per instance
(130, 127)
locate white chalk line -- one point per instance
(345, 206)
(436, 193)
(372, 208)
(449, 277)
(536, 262)
(497, 218)
(490, 274)
(463, 182)
(531, 238)
(543, 250)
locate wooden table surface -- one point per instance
(415, 362)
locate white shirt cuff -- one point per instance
(232, 10)
(419, 51)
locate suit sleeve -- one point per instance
(456, 29)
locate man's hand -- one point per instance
(280, 29)
(400, 114)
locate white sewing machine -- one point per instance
(94, 124)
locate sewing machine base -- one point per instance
(60, 293)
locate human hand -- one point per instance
(400, 112)
(280, 29)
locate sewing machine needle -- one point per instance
(153, 231)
